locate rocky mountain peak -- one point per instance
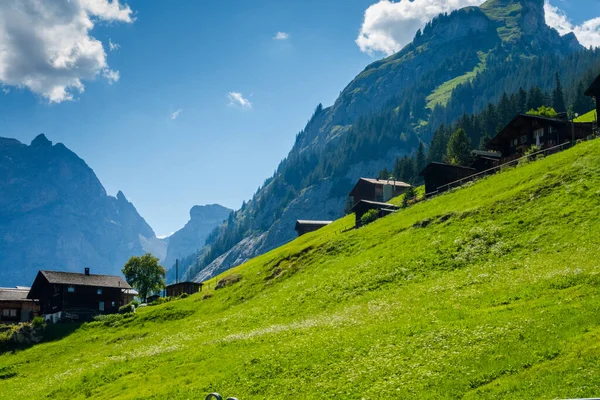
(41, 141)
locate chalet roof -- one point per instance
(385, 182)
(184, 283)
(309, 222)
(487, 154)
(74, 278)
(594, 87)
(14, 294)
(374, 204)
(438, 165)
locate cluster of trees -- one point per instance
(454, 143)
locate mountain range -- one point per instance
(55, 214)
(457, 64)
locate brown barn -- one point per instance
(363, 206)
(377, 190)
(69, 295)
(15, 306)
(526, 130)
(594, 91)
(177, 289)
(305, 226)
(436, 175)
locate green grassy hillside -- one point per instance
(587, 117)
(490, 291)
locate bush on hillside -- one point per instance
(127, 308)
(38, 322)
(369, 217)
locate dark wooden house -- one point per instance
(15, 306)
(305, 226)
(436, 175)
(363, 206)
(69, 295)
(377, 190)
(177, 289)
(594, 91)
(526, 130)
(484, 160)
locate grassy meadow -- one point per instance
(489, 291)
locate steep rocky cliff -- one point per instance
(191, 238)
(55, 214)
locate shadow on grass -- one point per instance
(51, 333)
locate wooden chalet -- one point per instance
(363, 206)
(69, 295)
(177, 289)
(305, 226)
(594, 91)
(377, 190)
(526, 130)
(15, 306)
(437, 174)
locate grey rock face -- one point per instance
(190, 238)
(55, 214)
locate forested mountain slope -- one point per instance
(458, 64)
(489, 291)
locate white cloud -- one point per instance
(388, 26)
(112, 46)
(237, 99)
(588, 33)
(281, 36)
(176, 113)
(46, 46)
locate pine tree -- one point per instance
(438, 145)
(420, 159)
(535, 98)
(459, 148)
(522, 101)
(558, 97)
(582, 103)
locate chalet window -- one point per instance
(540, 132)
(6, 312)
(101, 306)
(514, 142)
(71, 289)
(99, 291)
(523, 139)
(13, 313)
(113, 304)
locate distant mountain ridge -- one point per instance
(55, 214)
(192, 237)
(388, 109)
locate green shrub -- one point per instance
(37, 322)
(127, 308)
(369, 217)
(160, 300)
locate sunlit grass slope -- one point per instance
(491, 291)
(587, 117)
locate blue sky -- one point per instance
(207, 100)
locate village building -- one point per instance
(594, 91)
(363, 206)
(306, 226)
(525, 131)
(69, 295)
(129, 295)
(15, 306)
(377, 190)
(436, 175)
(177, 289)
